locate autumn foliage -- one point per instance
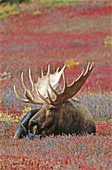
(42, 33)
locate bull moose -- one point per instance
(59, 112)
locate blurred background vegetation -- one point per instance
(13, 1)
(55, 2)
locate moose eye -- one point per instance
(52, 109)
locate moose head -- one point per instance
(59, 113)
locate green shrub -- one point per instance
(60, 2)
(12, 1)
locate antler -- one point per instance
(70, 90)
(39, 91)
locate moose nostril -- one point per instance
(35, 129)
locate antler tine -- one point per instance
(88, 66)
(89, 69)
(92, 66)
(65, 82)
(48, 72)
(42, 74)
(57, 69)
(25, 86)
(30, 100)
(51, 101)
(79, 76)
(44, 99)
(23, 100)
(30, 77)
(52, 88)
(63, 68)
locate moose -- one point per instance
(59, 112)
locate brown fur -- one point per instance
(68, 117)
(59, 113)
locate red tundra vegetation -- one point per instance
(35, 35)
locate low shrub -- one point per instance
(13, 1)
(61, 2)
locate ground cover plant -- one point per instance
(41, 33)
(13, 1)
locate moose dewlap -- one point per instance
(59, 113)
